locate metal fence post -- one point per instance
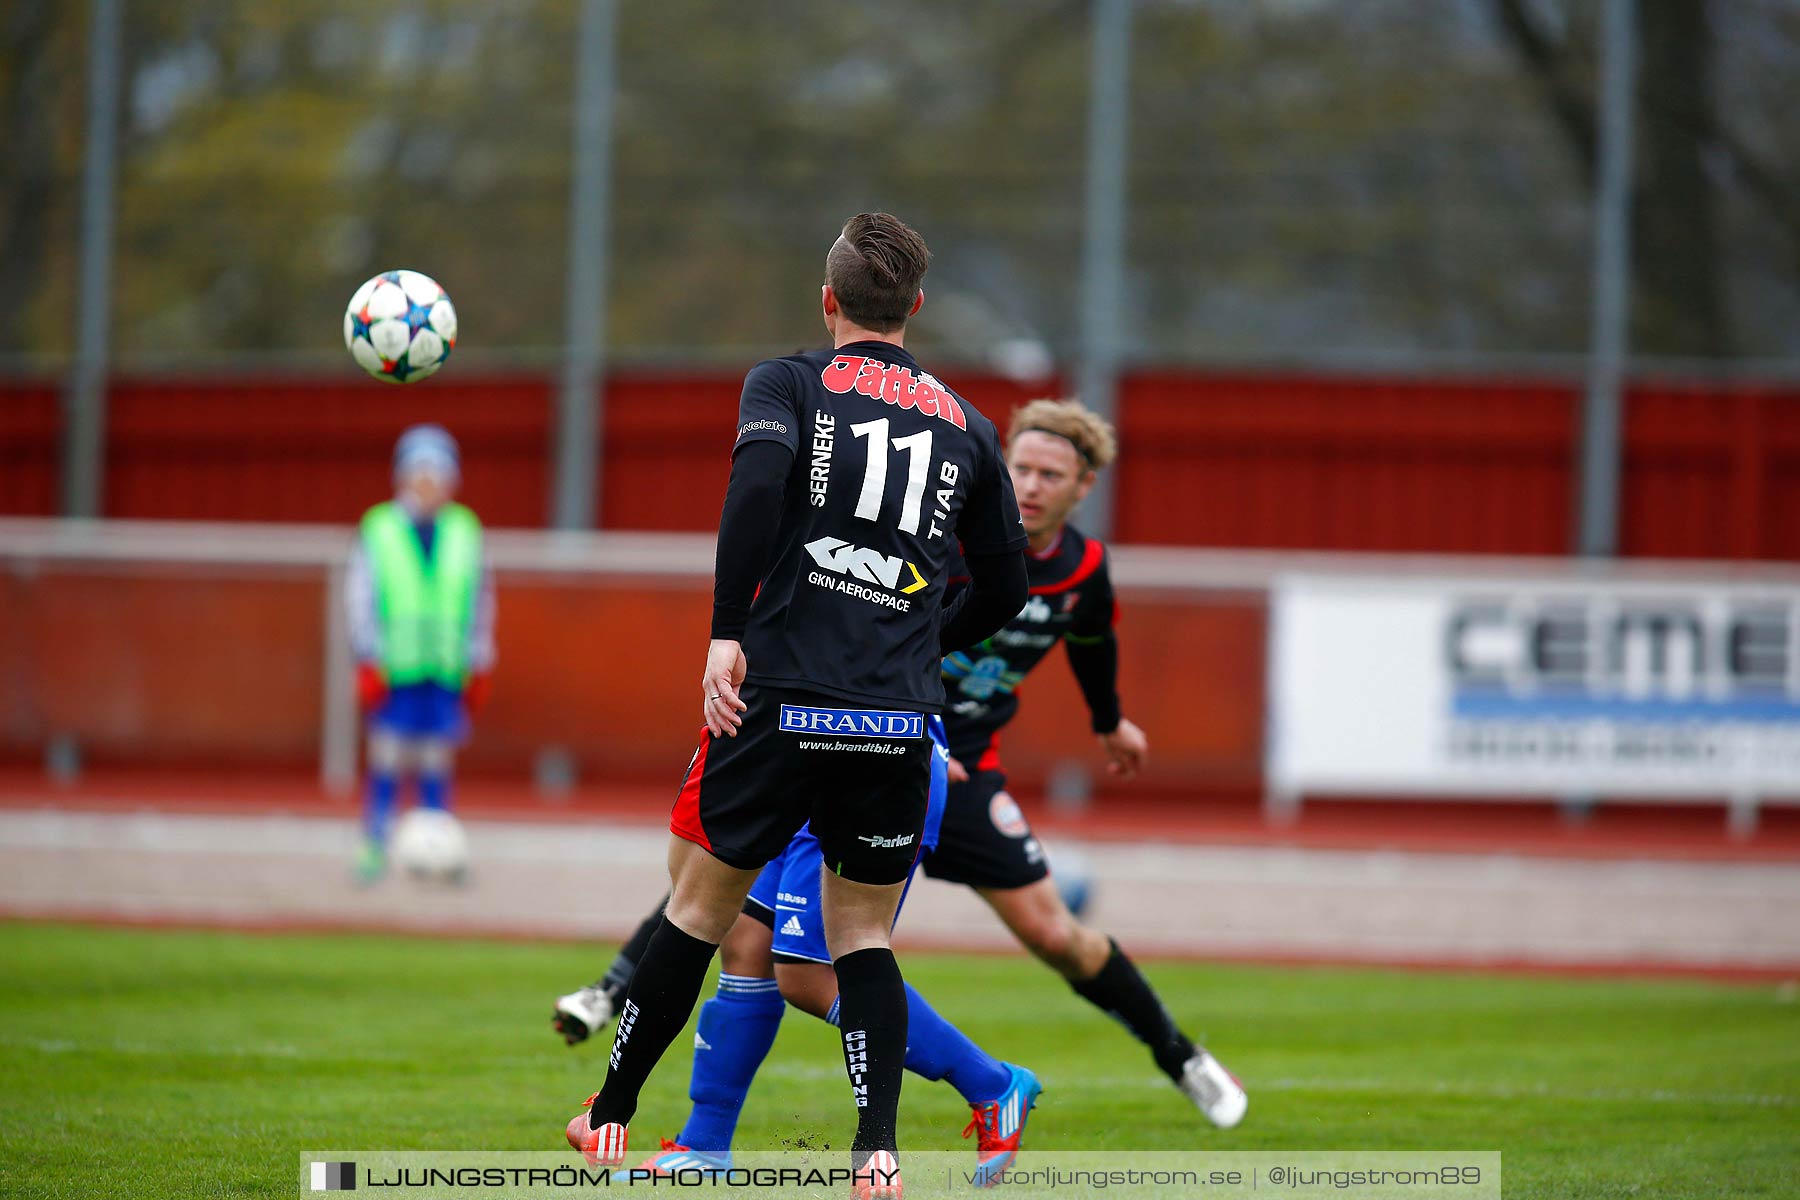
(1598, 529)
(337, 705)
(1103, 231)
(576, 480)
(84, 402)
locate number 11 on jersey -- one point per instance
(917, 447)
(874, 487)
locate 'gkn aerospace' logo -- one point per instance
(850, 562)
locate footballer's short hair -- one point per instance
(1091, 434)
(875, 268)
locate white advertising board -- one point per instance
(1485, 685)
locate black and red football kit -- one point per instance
(986, 841)
(855, 475)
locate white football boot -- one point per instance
(1214, 1090)
(582, 1013)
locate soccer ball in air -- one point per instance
(400, 326)
(431, 844)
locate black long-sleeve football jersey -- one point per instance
(891, 469)
(1071, 603)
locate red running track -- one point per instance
(1612, 831)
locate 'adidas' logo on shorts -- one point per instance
(793, 928)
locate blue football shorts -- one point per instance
(422, 710)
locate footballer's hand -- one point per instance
(957, 773)
(371, 686)
(1126, 748)
(476, 691)
(725, 668)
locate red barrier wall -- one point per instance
(1345, 464)
(1210, 459)
(316, 450)
(30, 433)
(1712, 472)
(173, 668)
(162, 667)
(1190, 673)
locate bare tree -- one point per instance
(1678, 303)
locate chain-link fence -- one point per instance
(1373, 179)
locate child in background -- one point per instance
(421, 604)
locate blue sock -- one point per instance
(434, 791)
(737, 1028)
(378, 804)
(936, 1049)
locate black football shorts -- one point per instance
(861, 775)
(985, 841)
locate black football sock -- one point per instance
(1121, 991)
(618, 976)
(657, 1004)
(872, 1019)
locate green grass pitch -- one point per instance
(159, 1063)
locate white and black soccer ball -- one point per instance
(431, 844)
(400, 326)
